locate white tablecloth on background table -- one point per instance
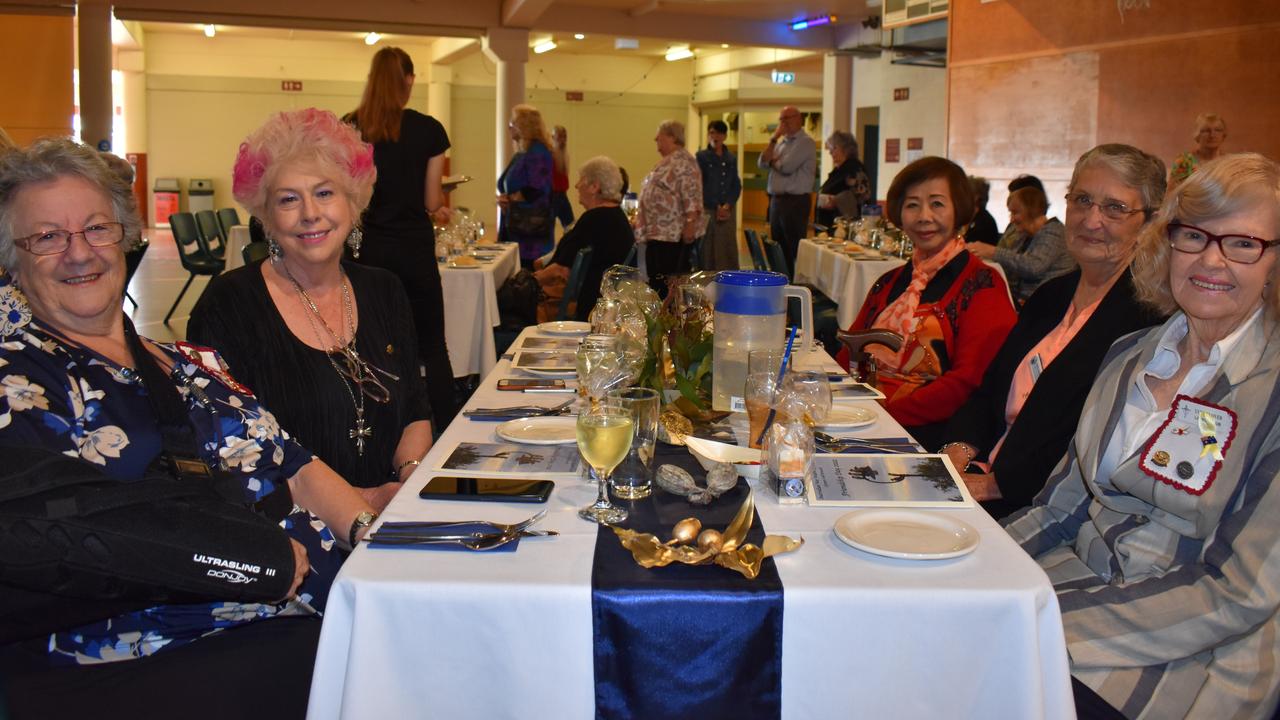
(236, 240)
(439, 634)
(471, 310)
(844, 279)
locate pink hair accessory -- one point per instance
(247, 173)
(361, 163)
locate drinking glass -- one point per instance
(812, 391)
(765, 360)
(604, 438)
(633, 478)
(758, 396)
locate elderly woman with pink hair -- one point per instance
(328, 345)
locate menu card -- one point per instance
(512, 459)
(866, 480)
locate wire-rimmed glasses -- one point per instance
(54, 242)
(1110, 209)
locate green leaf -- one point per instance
(690, 392)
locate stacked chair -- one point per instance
(193, 252)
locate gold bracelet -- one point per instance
(405, 464)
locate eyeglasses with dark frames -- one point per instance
(1112, 210)
(53, 242)
(1242, 249)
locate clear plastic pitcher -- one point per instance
(750, 314)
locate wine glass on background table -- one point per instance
(604, 439)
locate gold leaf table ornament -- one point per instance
(725, 549)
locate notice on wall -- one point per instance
(893, 150)
(900, 94)
(915, 149)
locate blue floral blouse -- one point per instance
(65, 397)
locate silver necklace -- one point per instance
(358, 369)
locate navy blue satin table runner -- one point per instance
(684, 641)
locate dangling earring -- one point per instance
(354, 239)
(273, 249)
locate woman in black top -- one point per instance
(847, 186)
(325, 344)
(1018, 431)
(603, 227)
(408, 149)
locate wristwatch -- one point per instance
(363, 520)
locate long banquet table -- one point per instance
(471, 309)
(435, 634)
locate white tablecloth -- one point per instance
(234, 254)
(437, 634)
(843, 279)
(471, 310)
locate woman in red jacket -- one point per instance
(952, 310)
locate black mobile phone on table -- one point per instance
(531, 384)
(492, 489)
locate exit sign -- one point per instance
(902, 93)
(782, 77)
(291, 85)
(573, 96)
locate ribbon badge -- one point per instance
(1208, 435)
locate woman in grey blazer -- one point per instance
(1159, 527)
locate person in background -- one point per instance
(1009, 238)
(1039, 253)
(1158, 526)
(6, 142)
(408, 151)
(1017, 424)
(560, 205)
(721, 188)
(603, 227)
(524, 188)
(342, 370)
(983, 228)
(847, 186)
(670, 214)
(98, 403)
(951, 309)
(791, 160)
(1211, 132)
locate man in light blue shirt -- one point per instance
(792, 160)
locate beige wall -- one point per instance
(36, 59)
(923, 115)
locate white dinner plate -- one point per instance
(565, 327)
(907, 534)
(843, 416)
(540, 430)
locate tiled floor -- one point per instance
(156, 284)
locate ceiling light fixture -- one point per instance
(544, 46)
(372, 38)
(210, 31)
(813, 22)
(724, 45)
(678, 53)
(579, 36)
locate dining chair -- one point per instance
(132, 261)
(255, 251)
(192, 253)
(227, 219)
(211, 232)
(757, 252)
(574, 285)
(777, 259)
(631, 256)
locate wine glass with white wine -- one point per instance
(604, 439)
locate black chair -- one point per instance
(255, 251)
(227, 219)
(574, 285)
(776, 258)
(132, 261)
(192, 253)
(211, 232)
(631, 255)
(757, 252)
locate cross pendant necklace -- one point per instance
(360, 431)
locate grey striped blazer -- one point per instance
(1169, 600)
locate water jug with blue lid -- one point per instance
(750, 314)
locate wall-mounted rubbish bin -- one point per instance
(199, 195)
(167, 200)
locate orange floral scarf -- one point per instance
(898, 315)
